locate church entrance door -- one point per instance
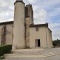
(37, 42)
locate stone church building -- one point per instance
(22, 32)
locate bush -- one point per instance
(54, 43)
(2, 57)
(5, 49)
(1, 51)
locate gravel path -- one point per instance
(35, 54)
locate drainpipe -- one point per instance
(46, 39)
(25, 34)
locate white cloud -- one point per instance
(32, 1)
(54, 12)
(6, 10)
(55, 27)
(40, 16)
(48, 3)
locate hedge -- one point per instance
(5, 49)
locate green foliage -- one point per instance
(2, 57)
(5, 49)
(56, 43)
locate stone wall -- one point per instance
(6, 34)
(42, 34)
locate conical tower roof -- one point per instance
(19, 0)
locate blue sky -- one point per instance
(44, 11)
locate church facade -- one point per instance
(22, 32)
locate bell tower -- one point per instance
(19, 17)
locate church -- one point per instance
(22, 32)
